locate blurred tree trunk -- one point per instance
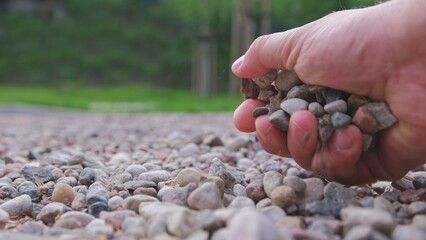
(265, 24)
(203, 61)
(243, 28)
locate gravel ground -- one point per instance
(73, 175)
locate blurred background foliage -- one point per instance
(80, 43)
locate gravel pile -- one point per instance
(285, 94)
(177, 176)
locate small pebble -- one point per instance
(316, 109)
(336, 106)
(292, 105)
(30, 189)
(207, 196)
(51, 212)
(21, 205)
(242, 202)
(115, 203)
(339, 120)
(295, 182)
(255, 190)
(63, 193)
(280, 120)
(271, 180)
(283, 196)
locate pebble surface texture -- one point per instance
(181, 176)
(285, 94)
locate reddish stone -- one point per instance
(364, 120)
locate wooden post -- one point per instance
(203, 58)
(242, 36)
(265, 24)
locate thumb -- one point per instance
(268, 52)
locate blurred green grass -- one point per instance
(138, 96)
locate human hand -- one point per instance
(358, 52)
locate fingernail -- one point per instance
(236, 65)
(344, 141)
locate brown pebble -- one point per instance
(259, 111)
(265, 80)
(356, 101)
(382, 114)
(283, 196)
(266, 93)
(145, 191)
(301, 91)
(364, 120)
(249, 88)
(280, 120)
(63, 193)
(325, 129)
(286, 80)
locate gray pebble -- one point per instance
(74, 219)
(18, 206)
(230, 176)
(403, 232)
(179, 195)
(135, 170)
(96, 208)
(314, 190)
(133, 202)
(87, 176)
(33, 174)
(280, 120)
(382, 203)
(339, 120)
(274, 213)
(292, 105)
(155, 176)
(271, 180)
(32, 228)
(336, 106)
(100, 227)
(51, 212)
(134, 184)
(189, 150)
(286, 80)
(182, 223)
(255, 190)
(116, 218)
(364, 232)
(283, 196)
(418, 207)
(97, 193)
(4, 218)
(189, 175)
(115, 203)
(378, 219)
(30, 189)
(244, 163)
(77, 158)
(8, 191)
(382, 114)
(316, 109)
(242, 202)
(134, 226)
(79, 202)
(207, 196)
(323, 208)
(251, 225)
(339, 194)
(296, 183)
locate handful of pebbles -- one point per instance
(285, 93)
